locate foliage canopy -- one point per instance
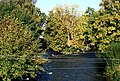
(20, 45)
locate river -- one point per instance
(76, 67)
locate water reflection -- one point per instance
(83, 67)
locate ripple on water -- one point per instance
(74, 68)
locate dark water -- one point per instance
(83, 67)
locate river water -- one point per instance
(76, 67)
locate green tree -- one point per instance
(103, 25)
(19, 53)
(110, 6)
(62, 24)
(26, 12)
(20, 28)
(112, 57)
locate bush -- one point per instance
(19, 50)
(112, 56)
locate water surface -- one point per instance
(80, 67)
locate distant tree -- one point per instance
(64, 30)
(90, 11)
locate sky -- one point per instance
(48, 5)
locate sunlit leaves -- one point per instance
(19, 51)
(58, 26)
(65, 28)
(105, 27)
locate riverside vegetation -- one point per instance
(64, 29)
(20, 46)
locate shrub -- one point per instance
(112, 56)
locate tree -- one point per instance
(113, 64)
(90, 11)
(20, 27)
(27, 13)
(59, 29)
(79, 36)
(19, 53)
(104, 26)
(110, 6)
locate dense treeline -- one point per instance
(64, 29)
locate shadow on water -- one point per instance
(78, 67)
